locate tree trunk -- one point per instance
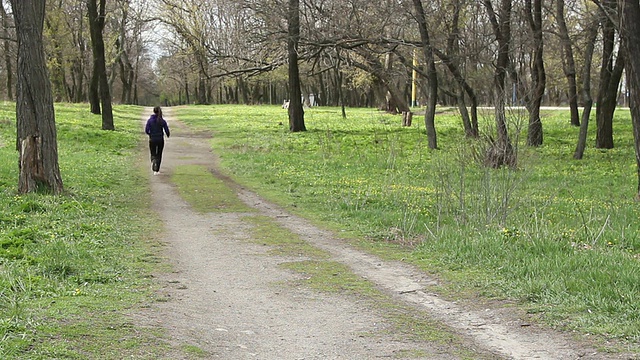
(186, 89)
(338, 76)
(501, 151)
(36, 127)
(452, 62)
(296, 112)
(538, 75)
(126, 71)
(99, 78)
(609, 81)
(394, 104)
(94, 82)
(7, 51)
(57, 68)
(568, 63)
(473, 131)
(630, 32)
(134, 95)
(592, 33)
(432, 76)
(202, 89)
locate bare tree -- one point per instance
(452, 60)
(611, 71)
(587, 100)
(568, 61)
(501, 152)
(36, 127)
(99, 88)
(432, 75)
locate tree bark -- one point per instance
(8, 63)
(568, 63)
(432, 76)
(501, 152)
(587, 101)
(127, 73)
(99, 80)
(630, 33)
(382, 81)
(471, 130)
(36, 127)
(296, 112)
(609, 80)
(452, 62)
(538, 74)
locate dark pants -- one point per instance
(155, 148)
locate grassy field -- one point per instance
(558, 236)
(73, 266)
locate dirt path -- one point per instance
(227, 298)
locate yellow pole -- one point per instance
(414, 89)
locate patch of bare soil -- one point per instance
(227, 297)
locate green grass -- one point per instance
(72, 266)
(316, 270)
(559, 236)
(205, 192)
(321, 274)
(195, 351)
(266, 232)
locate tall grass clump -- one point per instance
(70, 264)
(558, 235)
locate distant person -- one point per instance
(156, 128)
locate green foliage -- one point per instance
(556, 234)
(70, 263)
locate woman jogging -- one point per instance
(156, 128)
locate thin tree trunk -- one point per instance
(187, 95)
(538, 75)
(94, 83)
(201, 93)
(296, 112)
(501, 152)
(340, 92)
(592, 33)
(568, 63)
(455, 71)
(432, 76)
(609, 81)
(470, 123)
(99, 78)
(7, 51)
(36, 127)
(126, 71)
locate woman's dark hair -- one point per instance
(158, 111)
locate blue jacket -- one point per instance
(155, 128)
